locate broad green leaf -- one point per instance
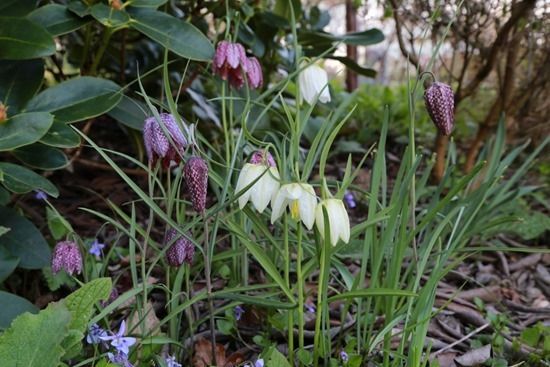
(81, 302)
(56, 19)
(16, 8)
(283, 9)
(12, 306)
(22, 180)
(8, 262)
(79, 8)
(34, 340)
(352, 65)
(130, 113)
(61, 135)
(55, 281)
(41, 156)
(4, 194)
(81, 305)
(77, 99)
(58, 226)
(147, 3)
(109, 16)
(364, 38)
(19, 81)
(274, 358)
(180, 37)
(22, 39)
(23, 240)
(24, 129)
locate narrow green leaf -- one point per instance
(258, 300)
(146, 3)
(372, 292)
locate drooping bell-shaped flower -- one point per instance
(181, 251)
(230, 62)
(338, 220)
(301, 200)
(440, 103)
(314, 84)
(196, 178)
(254, 74)
(262, 168)
(66, 256)
(3, 113)
(157, 143)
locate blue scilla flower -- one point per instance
(120, 359)
(96, 247)
(95, 332)
(171, 362)
(120, 342)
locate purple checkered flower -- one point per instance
(254, 74)
(440, 103)
(196, 178)
(120, 342)
(181, 251)
(96, 248)
(157, 144)
(238, 311)
(66, 256)
(95, 332)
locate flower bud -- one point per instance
(314, 84)
(66, 256)
(196, 178)
(3, 113)
(440, 103)
(181, 251)
(157, 144)
(254, 73)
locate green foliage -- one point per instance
(24, 129)
(54, 333)
(22, 39)
(35, 340)
(11, 306)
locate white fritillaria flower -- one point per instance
(301, 200)
(313, 82)
(338, 220)
(264, 190)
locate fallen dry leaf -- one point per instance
(475, 357)
(203, 354)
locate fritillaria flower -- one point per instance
(196, 178)
(231, 64)
(261, 167)
(338, 220)
(67, 256)
(313, 84)
(301, 200)
(120, 342)
(157, 143)
(181, 251)
(440, 103)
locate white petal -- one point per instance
(335, 220)
(319, 219)
(293, 191)
(264, 191)
(278, 206)
(242, 182)
(307, 204)
(345, 229)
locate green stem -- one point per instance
(299, 274)
(290, 324)
(208, 276)
(320, 295)
(99, 55)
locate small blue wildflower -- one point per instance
(121, 343)
(40, 195)
(310, 308)
(95, 332)
(238, 311)
(120, 359)
(171, 362)
(350, 199)
(96, 247)
(344, 356)
(259, 363)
